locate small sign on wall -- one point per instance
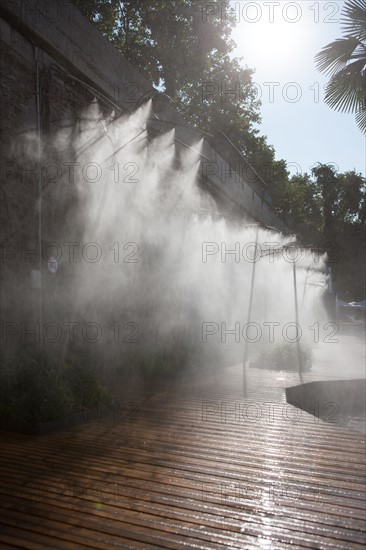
(52, 265)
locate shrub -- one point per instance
(36, 389)
(283, 357)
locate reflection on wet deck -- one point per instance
(197, 465)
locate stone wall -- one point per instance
(63, 33)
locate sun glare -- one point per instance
(271, 45)
(269, 41)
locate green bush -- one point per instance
(283, 357)
(36, 389)
(162, 361)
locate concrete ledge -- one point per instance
(63, 32)
(329, 398)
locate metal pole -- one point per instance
(305, 284)
(249, 313)
(39, 178)
(297, 320)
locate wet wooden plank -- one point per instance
(167, 478)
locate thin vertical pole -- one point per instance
(305, 285)
(39, 178)
(250, 313)
(297, 320)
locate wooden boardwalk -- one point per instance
(195, 465)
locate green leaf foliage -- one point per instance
(344, 60)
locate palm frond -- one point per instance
(361, 119)
(353, 20)
(335, 56)
(344, 60)
(345, 92)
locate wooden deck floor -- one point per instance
(196, 465)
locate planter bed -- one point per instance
(72, 419)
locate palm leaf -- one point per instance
(361, 119)
(337, 54)
(344, 60)
(344, 92)
(353, 20)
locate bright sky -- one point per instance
(279, 40)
